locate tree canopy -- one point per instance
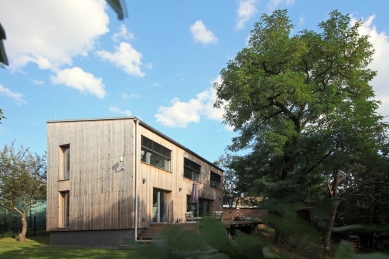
(295, 98)
(22, 181)
(304, 106)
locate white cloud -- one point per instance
(273, 4)
(79, 79)
(125, 58)
(17, 97)
(38, 82)
(380, 41)
(51, 33)
(126, 96)
(201, 34)
(179, 114)
(123, 34)
(245, 11)
(115, 109)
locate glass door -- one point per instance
(160, 206)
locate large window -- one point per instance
(200, 209)
(155, 154)
(191, 170)
(64, 207)
(65, 162)
(215, 180)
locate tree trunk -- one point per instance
(330, 223)
(22, 234)
(5, 221)
(281, 238)
(333, 194)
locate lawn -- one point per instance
(34, 247)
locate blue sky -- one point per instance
(73, 59)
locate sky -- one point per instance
(74, 59)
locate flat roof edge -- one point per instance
(93, 119)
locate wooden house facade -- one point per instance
(109, 178)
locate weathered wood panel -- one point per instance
(99, 190)
(102, 194)
(172, 182)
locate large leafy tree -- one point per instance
(303, 104)
(22, 182)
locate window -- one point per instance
(191, 170)
(215, 180)
(64, 207)
(200, 209)
(155, 154)
(65, 162)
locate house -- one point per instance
(109, 178)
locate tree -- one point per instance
(366, 204)
(349, 167)
(294, 99)
(230, 192)
(22, 182)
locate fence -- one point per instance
(36, 221)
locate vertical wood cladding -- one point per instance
(172, 182)
(101, 193)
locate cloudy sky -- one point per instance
(73, 59)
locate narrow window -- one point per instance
(215, 180)
(155, 154)
(65, 161)
(64, 209)
(191, 170)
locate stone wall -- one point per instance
(231, 213)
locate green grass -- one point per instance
(34, 247)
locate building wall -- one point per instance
(172, 182)
(101, 194)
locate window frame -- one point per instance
(65, 162)
(64, 213)
(214, 177)
(194, 168)
(156, 149)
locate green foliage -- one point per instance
(302, 103)
(22, 178)
(232, 193)
(211, 241)
(22, 181)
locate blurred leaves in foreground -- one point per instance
(211, 240)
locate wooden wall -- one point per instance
(172, 181)
(101, 194)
